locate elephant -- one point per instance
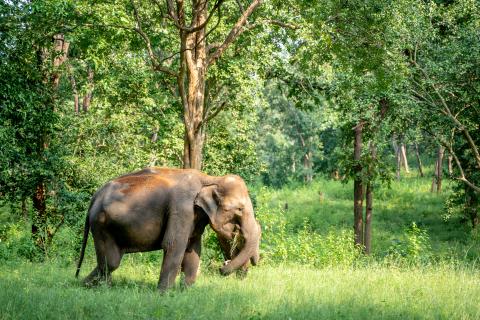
(168, 209)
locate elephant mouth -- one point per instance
(236, 243)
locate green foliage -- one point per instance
(303, 246)
(415, 249)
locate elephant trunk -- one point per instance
(250, 231)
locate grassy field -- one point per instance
(42, 291)
(327, 205)
(444, 287)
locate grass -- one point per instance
(328, 205)
(371, 289)
(49, 291)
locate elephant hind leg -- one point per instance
(109, 256)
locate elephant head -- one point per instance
(230, 211)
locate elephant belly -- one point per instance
(137, 231)
(141, 236)
(137, 220)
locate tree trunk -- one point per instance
(39, 217)
(419, 161)
(358, 187)
(307, 167)
(368, 218)
(434, 179)
(193, 64)
(403, 156)
(437, 176)
(450, 164)
(193, 74)
(441, 152)
(399, 164)
(396, 149)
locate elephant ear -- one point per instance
(208, 200)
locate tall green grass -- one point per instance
(326, 206)
(48, 291)
(424, 266)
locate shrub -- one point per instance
(303, 246)
(414, 249)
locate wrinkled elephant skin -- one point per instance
(168, 209)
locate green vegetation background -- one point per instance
(424, 266)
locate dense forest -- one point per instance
(355, 125)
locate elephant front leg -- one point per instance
(172, 260)
(174, 247)
(191, 260)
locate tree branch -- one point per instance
(448, 113)
(157, 66)
(236, 31)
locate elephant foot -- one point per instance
(242, 273)
(226, 269)
(96, 280)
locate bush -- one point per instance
(414, 249)
(16, 242)
(304, 246)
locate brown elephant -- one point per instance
(162, 208)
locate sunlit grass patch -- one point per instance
(44, 291)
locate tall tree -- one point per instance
(177, 37)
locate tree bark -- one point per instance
(437, 177)
(434, 179)
(193, 73)
(403, 155)
(419, 161)
(450, 164)
(441, 152)
(358, 187)
(307, 167)
(368, 218)
(396, 149)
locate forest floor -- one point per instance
(446, 289)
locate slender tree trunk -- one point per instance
(358, 187)
(437, 176)
(369, 204)
(399, 163)
(396, 149)
(450, 164)
(419, 161)
(39, 217)
(441, 152)
(403, 155)
(307, 167)
(434, 179)
(368, 218)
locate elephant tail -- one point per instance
(84, 244)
